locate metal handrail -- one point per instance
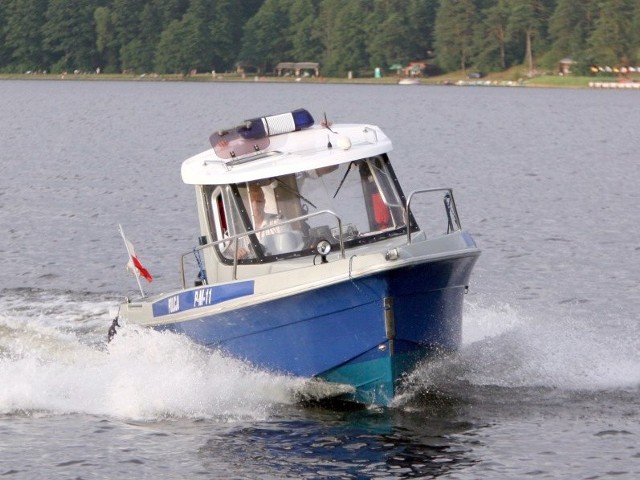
(450, 207)
(452, 211)
(236, 238)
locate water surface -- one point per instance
(546, 384)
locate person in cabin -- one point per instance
(261, 219)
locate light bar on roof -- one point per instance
(277, 124)
(253, 135)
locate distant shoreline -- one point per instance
(549, 81)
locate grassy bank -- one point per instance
(501, 79)
(567, 81)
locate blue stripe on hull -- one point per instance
(201, 297)
(335, 332)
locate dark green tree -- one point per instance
(226, 34)
(635, 28)
(528, 24)
(266, 41)
(4, 50)
(186, 44)
(106, 46)
(611, 41)
(227, 30)
(125, 18)
(570, 27)
(248, 8)
(305, 31)
(328, 11)
(343, 35)
(151, 26)
(389, 40)
(69, 33)
(198, 23)
(170, 10)
(454, 33)
(491, 39)
(138, 53)
(348, 52)
(421, 19)
(172, 51)
(23, 21)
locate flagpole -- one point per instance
(126, 245)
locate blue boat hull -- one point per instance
(364, 332)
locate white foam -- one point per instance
(53, 358)
(49, 364)
(507, 348)
(482, 322)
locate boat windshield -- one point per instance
(289, 214)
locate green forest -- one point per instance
(182, 36)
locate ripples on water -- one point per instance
(547, 382)
(121, 407)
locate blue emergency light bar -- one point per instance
(253, 135)
(276, 124)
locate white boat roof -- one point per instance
(289, 153)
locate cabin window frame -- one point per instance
(230, 213)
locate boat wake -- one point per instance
(506, 349)
(54, 359)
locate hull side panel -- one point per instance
(303, 335)
(428, 301)
(339, 333)
(427, 306)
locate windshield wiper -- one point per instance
(343, 179)
(295, 192)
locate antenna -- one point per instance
(326, 123)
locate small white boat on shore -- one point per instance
(409, 81)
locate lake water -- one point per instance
(547, 384)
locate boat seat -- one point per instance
(283, 242)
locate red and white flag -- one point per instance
(134, 265)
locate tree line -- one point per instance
(179, 36)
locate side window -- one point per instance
(220, 226)
(386, 204)
(226, 218)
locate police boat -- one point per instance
(312, 262)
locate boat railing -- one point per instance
(234, 240)
(453, 220)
